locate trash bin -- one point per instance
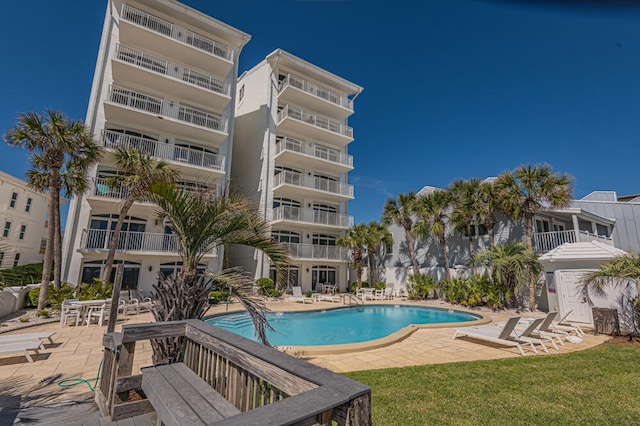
(605, 321)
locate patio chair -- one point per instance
(70, 310)
(298, 296)
(388, 293)
(97, 312)
(501, 335)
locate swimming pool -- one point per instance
(339, 326)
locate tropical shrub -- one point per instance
(380, 285)
(217, 296)
(420, 286)
(94, 291)
(21, 275)
(354, 286)
(472, 291)
(268, 287)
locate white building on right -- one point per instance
(290, 154)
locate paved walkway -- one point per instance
(77, 353)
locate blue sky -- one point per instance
(453, 88)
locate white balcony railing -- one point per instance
(131, 241)
(113, 140)
(170, 69)
(166, 28)
(318, 252)
(159, 107)
(316, 217)
(316, 120)
(295, 145)
(318, 91)
(313, 182)
(100, 189)
(547, 241)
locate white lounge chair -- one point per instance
(545, 330)
(502, 336)
(21, 347)
(528, 333)
(27, 337)
(298, 296)
(562, 325)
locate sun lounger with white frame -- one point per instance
(499, 335)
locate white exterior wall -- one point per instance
(256, 157)
(148, 74)
(34, 221)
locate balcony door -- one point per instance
(131, 272)
(101, 230)
(322, 274)
(324, 213)
(290, 277)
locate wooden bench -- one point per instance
(27, 336)
(180, 397)
(22, 347)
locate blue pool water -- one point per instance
(338, 326)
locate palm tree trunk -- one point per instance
(108, 264)
(372, 267)
(412, 253)
(57, 248)
(445, 257)
(492, 242)
(472, 249)
(48, 252)
(528, 227)
(358, 263)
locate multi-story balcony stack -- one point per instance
(291, 154)
(164, 83)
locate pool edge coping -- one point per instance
(398, 336)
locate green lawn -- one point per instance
(600, 386)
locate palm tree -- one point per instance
(510, 265)
(137, 173)
(526, 191)
(355, 240)
(489, 201)
(203, 223)
(433, 213)
(59, 148)
(399, 212)
(377, 238)
(466, 205)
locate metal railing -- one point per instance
(113, 140)
(318, 91)
(313, 182)
(166, 28)
(258, 380)
(295, 145)
(159, 107)
(547, 241)
(170, 69)
(100, 239)
(312, 251)
(317, 217)
(316, 120)
(100, 188)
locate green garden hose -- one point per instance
(67, 383)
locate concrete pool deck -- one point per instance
(77, 352)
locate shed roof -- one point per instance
(593, 250)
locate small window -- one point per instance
(1, 258)
(28, 206)
(7, 228)
(241, 95)
(16, 260)
(23, 229)
(43, 245)
(14, 198)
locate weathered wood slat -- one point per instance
(128, 383)
(158, 330)
(180, 397)
(130, 409)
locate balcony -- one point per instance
(141, 28)
(301, 92)
(309, 155)
(312, 217)
(184, 158)
(168, 116)
(297, 120)
(317, 252)
(99, 240)
(547, 241)
(176, 80)
(295, 185)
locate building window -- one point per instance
(323, 240)
(169, 268)
(241, 96)
(131, 272)
(1, 258)
(14, 198)
(7, 228)
(322, 274)
(16, 260)
(289, 278)
(286, 237)
(27, 208)
(43, 246)
(23, 229)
